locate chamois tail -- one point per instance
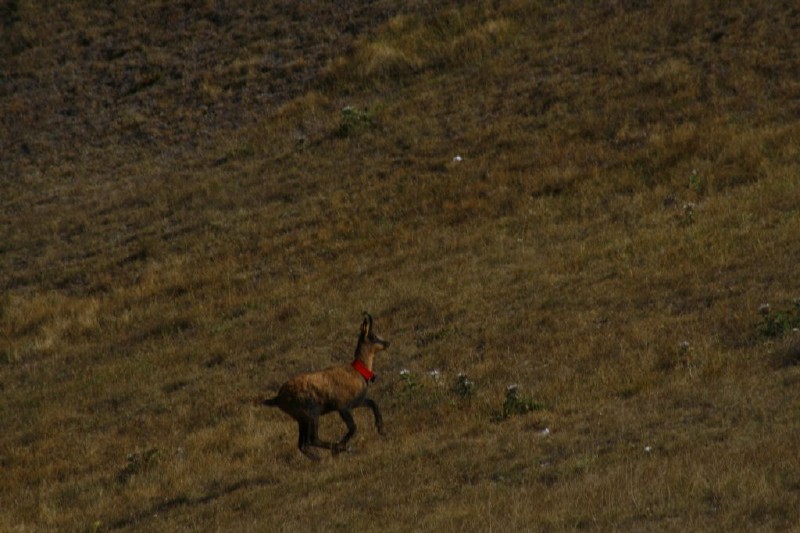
(269, 402)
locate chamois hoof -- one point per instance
(311, 455)
(339, 448)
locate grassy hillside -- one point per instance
(596, 203)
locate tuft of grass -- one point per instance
(412, 44)
(138, 463)
(385, 63)
(787, 351)
(39, 325)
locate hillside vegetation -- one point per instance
(578, 223)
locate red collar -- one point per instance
(362, 369)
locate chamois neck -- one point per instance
(365, 355)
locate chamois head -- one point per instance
(368, 342)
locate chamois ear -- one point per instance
(366, 326)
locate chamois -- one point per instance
(342, 388)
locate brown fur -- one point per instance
(342, 388)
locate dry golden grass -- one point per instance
(198, 202)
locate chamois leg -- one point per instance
(347, 417)
(304, 441)
(375, 411)
(314, 438)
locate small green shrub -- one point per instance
(353, 121)
(696, 182)
(775, 323)
(464, 386)
(409, 382)
(514, 404)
